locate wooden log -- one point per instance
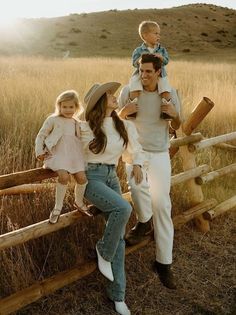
(25, 177)
(189, 174)
(229, 204)
(197, 115)
(31, 294)
(39, 229)
(225, 146)
(27, 189)
(186, 140)
(210, 142)
(195, 191)
(33, 188)
(215, 174)
(195, 211)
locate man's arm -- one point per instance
(176, 122)
(125, 107)
(173, 109)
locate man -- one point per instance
(151, 198)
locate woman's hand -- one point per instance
(42, 157)
(137, 174)
(129, 109)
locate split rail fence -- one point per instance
(201, 211)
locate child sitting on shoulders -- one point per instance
(149, 32)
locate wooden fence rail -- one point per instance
(229, 169)
(210, 142)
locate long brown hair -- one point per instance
(95, 120)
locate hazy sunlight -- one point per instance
(6, 21)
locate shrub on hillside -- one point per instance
(75, 30)
(72, 43)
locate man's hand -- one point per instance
(137, 174)
(128, 109)
(170, 110)
(159, 56)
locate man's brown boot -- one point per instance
(165, 274)
(139, 233)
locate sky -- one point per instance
(10, 9)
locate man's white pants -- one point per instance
(151, 198)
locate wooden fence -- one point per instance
(201, 210)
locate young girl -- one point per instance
(58, 145)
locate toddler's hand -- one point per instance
(42, 157)
(159, 56)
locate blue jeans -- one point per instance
(103, 190)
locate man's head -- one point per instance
(150, 69)
(149, 31)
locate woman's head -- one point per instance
(98, 97)
(99, 100)
(67, 104)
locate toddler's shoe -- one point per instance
(132, 116)
(83, 209)
(164, 115)
(54, 216)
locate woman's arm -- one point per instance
(134, 153)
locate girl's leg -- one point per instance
(103, 190)
(116, 289)
(118, 209)
(61, 187)
(81, 183)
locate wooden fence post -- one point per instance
(188, 158)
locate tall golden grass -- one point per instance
(28, 89)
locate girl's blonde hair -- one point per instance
(145, 27)
(69, 95)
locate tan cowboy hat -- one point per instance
(97, 91)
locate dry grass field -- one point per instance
(204, 264)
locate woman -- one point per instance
(105, 137)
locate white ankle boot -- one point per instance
(122, 308)
(104, 266)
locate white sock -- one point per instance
(104, 267)
(60, 195)
(122, 308)
(79, 194)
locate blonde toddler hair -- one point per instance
(68, 95)
(145, 27)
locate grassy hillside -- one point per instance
(196, 29)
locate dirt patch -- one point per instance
(204, 265)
